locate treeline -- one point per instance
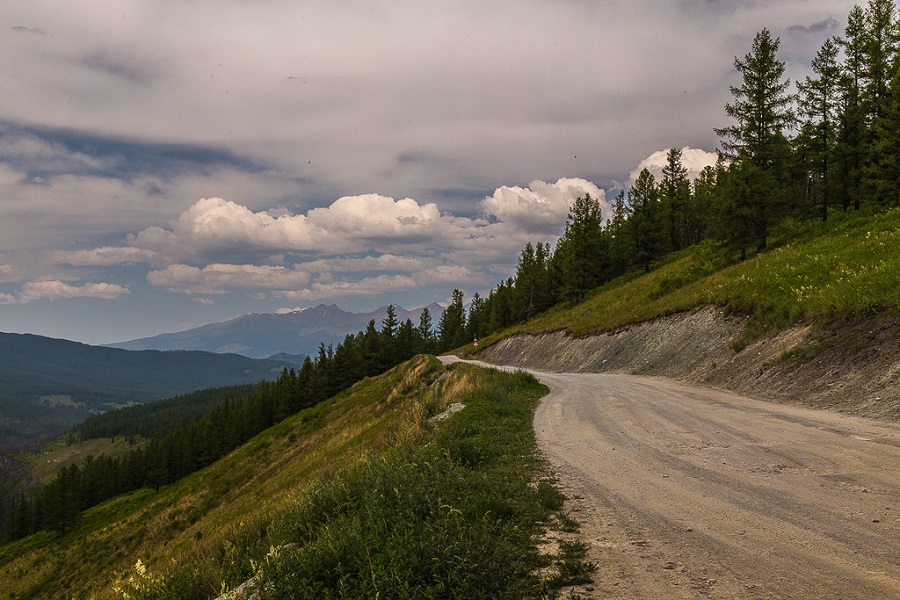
(159, 418)
(185, 434)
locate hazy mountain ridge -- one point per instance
(264, 335)
(48, 384)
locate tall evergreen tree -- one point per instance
(452, 326)
(581, 259)
(425, 331)
(648, 232)
(851, 126)
(675, 196)
(882, 44)
(819, 104)
(621, 249)
(762, 111)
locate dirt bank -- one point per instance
(852, 367)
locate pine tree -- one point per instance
(648, 235)
(882, 46)
(425, 331)
(763, 110)
(818, 104)
(581, 259)
(452, 326)
(851, 126)
(621, 249)
(675, 196)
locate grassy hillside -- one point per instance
(217, 526)
(845, 268)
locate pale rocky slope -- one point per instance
(852, 367)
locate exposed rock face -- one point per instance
(852, 367)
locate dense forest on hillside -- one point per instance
(831, 145)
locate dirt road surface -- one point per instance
(688, 492)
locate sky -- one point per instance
(170, 163)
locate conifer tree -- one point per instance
(675, 196)
(452, 326)
(425, 331)
(762, 111)
(621, 249)
(818, 105)
(882, 46)
(851, 126)
(648, 234)
(581, 259)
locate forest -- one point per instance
(792, 152)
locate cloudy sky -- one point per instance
(169, 163)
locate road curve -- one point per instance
(687, 492)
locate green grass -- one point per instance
(845, 268)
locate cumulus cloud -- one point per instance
(693, 159)
(57, 290)
(346, 248)
(541, 206)
(350, 224)
(105, 256)
(368, 286)
(218, 278)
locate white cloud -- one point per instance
(105, 256)
(58, 290)
(350, 224)
(384, 262)
(369, 286)
(541, 206)
(218, 278)
(693, 159)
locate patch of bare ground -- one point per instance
(848, 366)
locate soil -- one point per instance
(687, 492)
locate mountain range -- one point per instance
(283, 335)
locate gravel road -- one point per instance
(688, 492)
